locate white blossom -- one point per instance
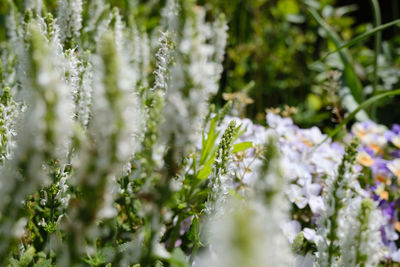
(69, 18)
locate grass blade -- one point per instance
(377, 45)
(360, 38)
(350, 77)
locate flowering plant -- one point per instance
(111, 154)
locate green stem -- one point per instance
(396, 13)
(377, 45)
(334, 224)
(175, 232)
(194, 252)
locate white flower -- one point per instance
(248, 235)
(296, 196)
(393, 253)
(311, 235)
(394, 167)
(304, 261)
(301, 196)
(291, 229)
(316, 204)
(281, 125)
(396, 140)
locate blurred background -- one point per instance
(273, 50)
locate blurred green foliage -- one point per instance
(272, 44)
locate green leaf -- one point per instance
(101, 256)
(178, 259)
(286, 7)
(234, 193)
(205, 172)
(14, 263)
(194, 231)
(298, 243)
(28, 256)
(209, 145)
(242, 146)
(182, 205)
(45, 263)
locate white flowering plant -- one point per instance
(112, 155)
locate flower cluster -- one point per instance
(379, 159)
(312, 166)
(110, 154)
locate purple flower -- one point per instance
(388, 210)
(383, 234)
(365, 156)
(388, 234)
(395, 153)
(380, 171)
(368, 150)
(389, 135)
(396, 128)
(338, 148)
(393, 253)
